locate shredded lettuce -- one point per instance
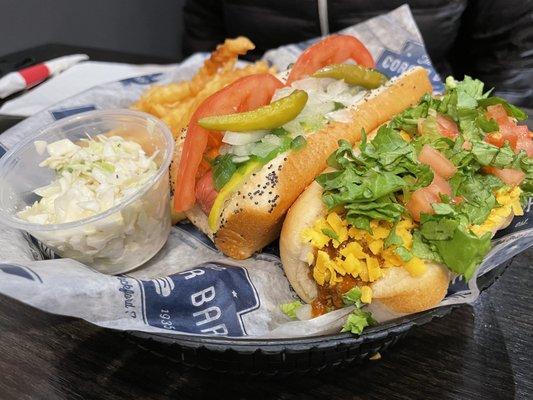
(393, 238)
(357, 321)
(513, 111)
(365, 184)
(289, 309)
(408, 120)
(424, 250)
(330, 233)
(464, 251)
(353, 297)
(477, 192)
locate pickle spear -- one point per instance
(271, 116)
(353, 75)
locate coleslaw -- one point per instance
(92, 176)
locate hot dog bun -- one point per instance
(253, 215)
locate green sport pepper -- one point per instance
(271, 116)
(353, 75)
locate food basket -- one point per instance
(244, 354)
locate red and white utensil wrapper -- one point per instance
(31, 76)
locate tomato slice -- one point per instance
(438, 163)
(334, 49)
(245, 94)
(206, 192)
(509, 176)
(447, 126)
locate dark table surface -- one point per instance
(484, 351)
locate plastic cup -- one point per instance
(118, 239)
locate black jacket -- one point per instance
(488, 39)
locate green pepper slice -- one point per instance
(353, 75)
(271, 116)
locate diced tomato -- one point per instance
(245, 94)
(206, 192)
(509, 133)
(467, 145)
(422, 199)
(447, 126)
(439, 186)
(518, 136)
(498, 113)
(333, 49)
(420, 202)
(438, 163)
(509, 176)
(496, 139)
(525, 143)
(522, 130)
(441, 124)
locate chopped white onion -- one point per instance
(241, 138)
(238, 160)
(323, 93)
(342, 115)
(272, 139)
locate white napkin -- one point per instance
(75, 80)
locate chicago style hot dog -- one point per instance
(251, 148)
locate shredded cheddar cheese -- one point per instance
(415, 266)
(509, 201)
(366, 294)
(357, 253)
(405, 136)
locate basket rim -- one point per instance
(298, 344)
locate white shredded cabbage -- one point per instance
(90, 178)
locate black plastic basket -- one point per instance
(270, 357)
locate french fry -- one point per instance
(176, 102)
